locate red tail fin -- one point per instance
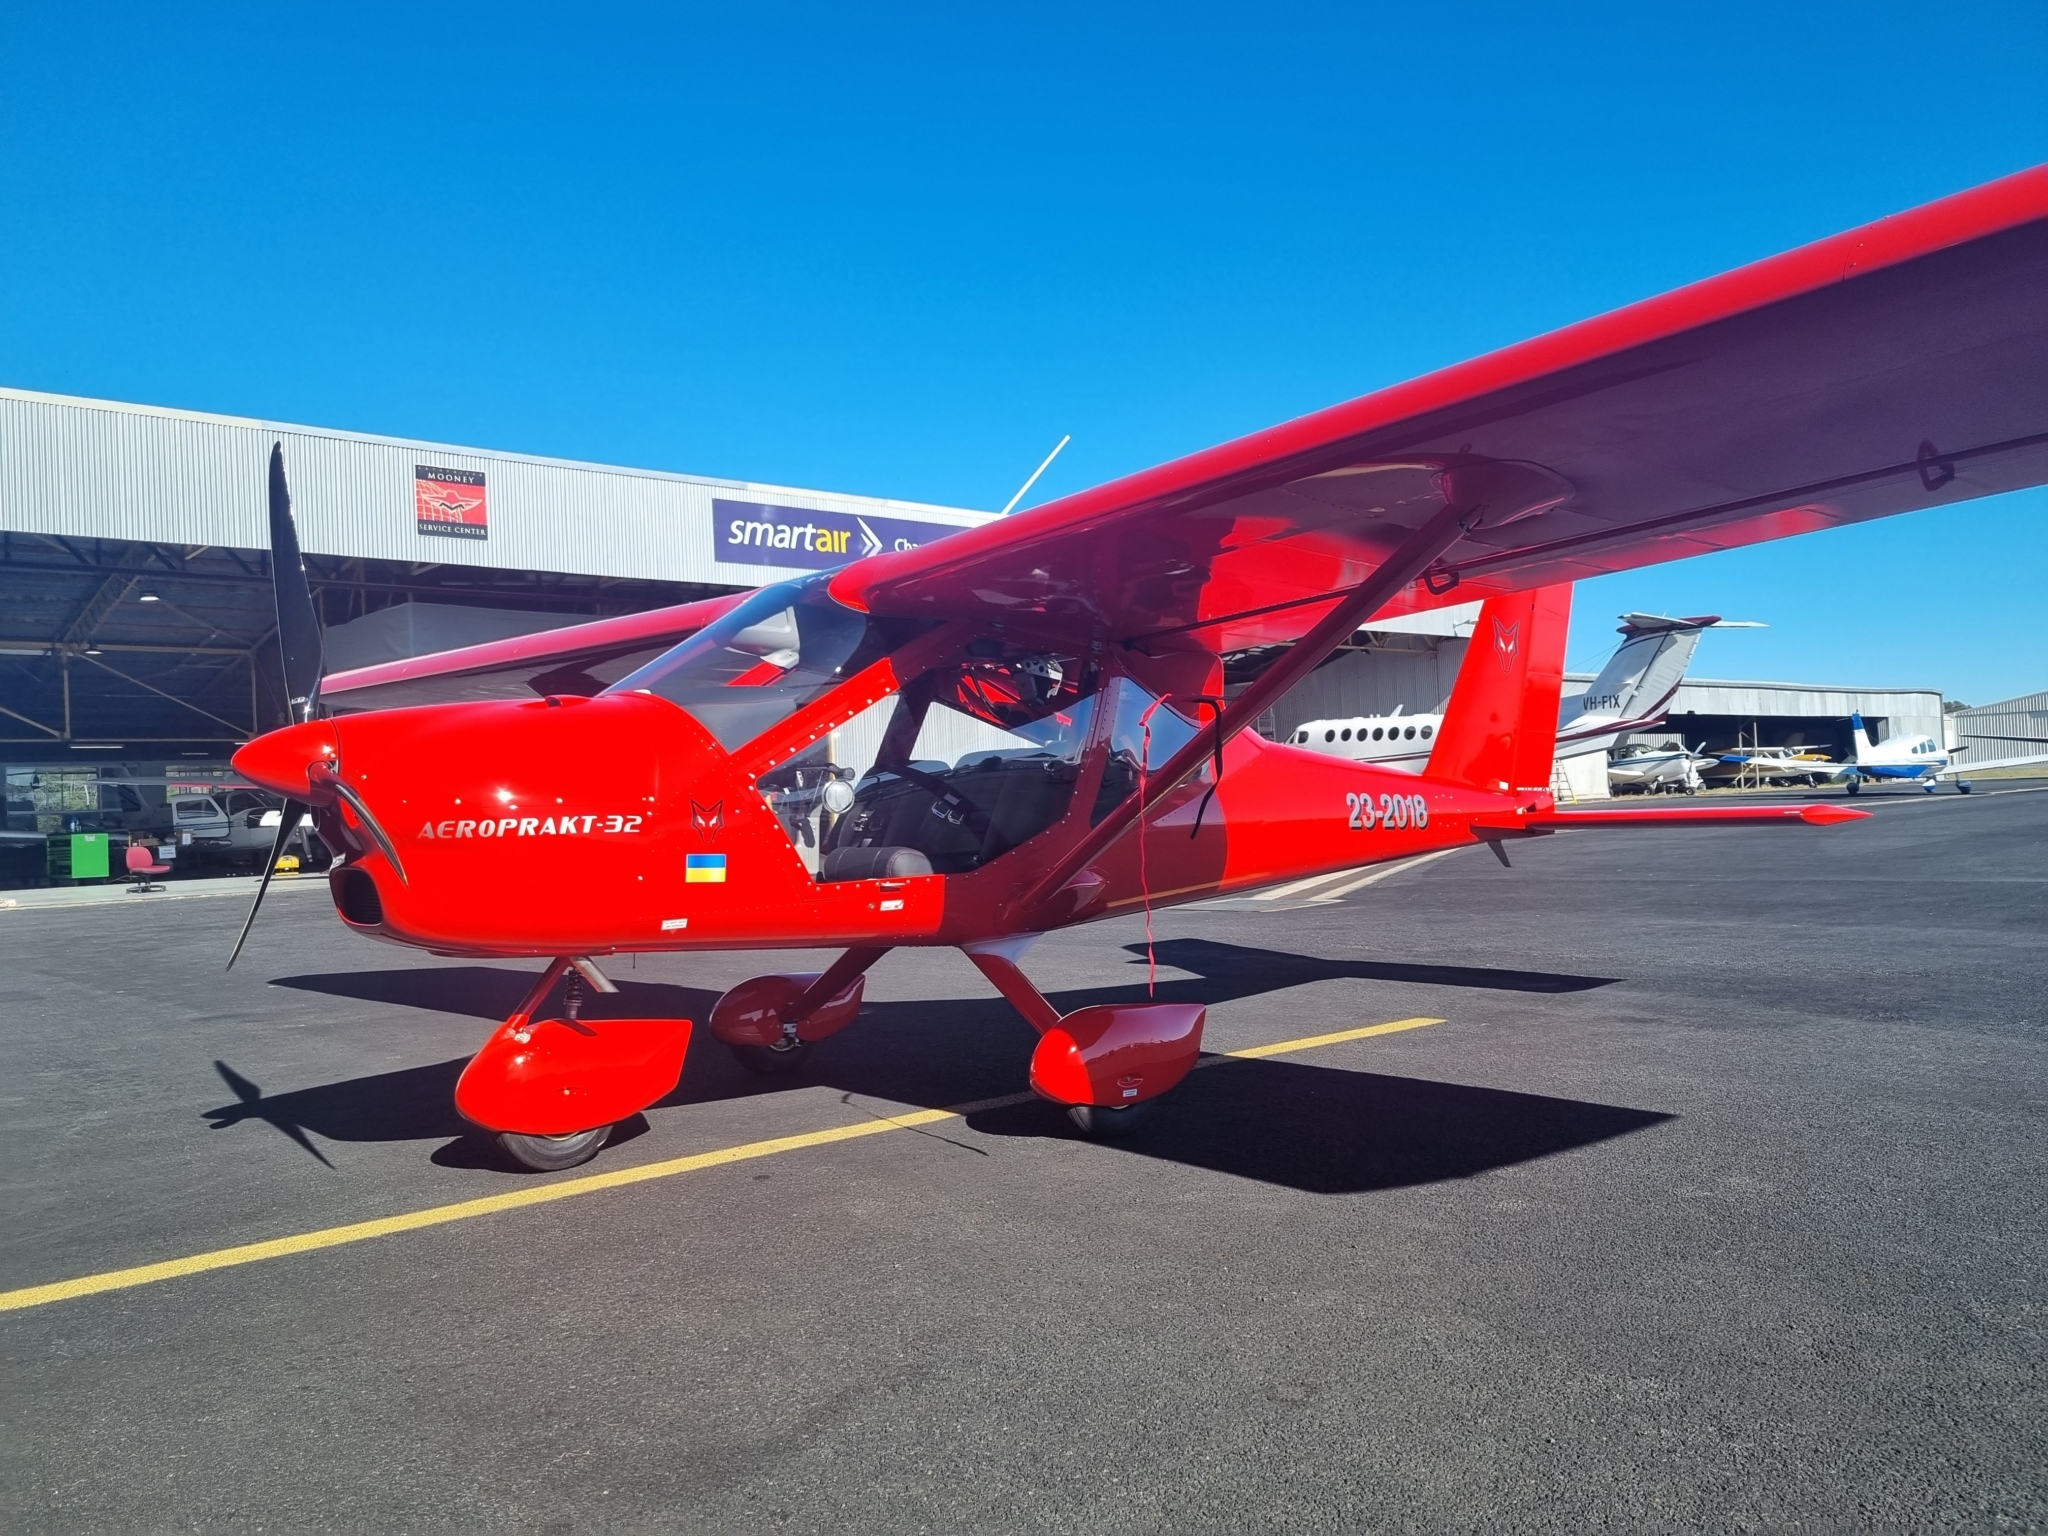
(1500, 727)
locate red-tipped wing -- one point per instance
(1898, 366)
(577, 659)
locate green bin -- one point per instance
(80, 856)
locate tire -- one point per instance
(772, 1060)
(1098, 1123)
(550, 1154)
(1855, 786)
(1962, 788)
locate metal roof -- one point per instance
(102, 469)
(135, 605)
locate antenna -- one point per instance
(1036, 473)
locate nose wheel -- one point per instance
(550, 1154)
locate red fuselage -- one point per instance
(567, 826)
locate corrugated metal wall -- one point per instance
(2009, 728)
(1905, 711)
(100, 469)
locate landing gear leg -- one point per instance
(550, 1154)
(552, 1090)
(771, 1023)
(1107, 1065)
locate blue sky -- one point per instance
(900, 251)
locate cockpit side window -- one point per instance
(972, 759)
(775, 653)
(1139, 721)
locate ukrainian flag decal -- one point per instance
(704, 869)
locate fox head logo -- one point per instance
(1507, 643)
(709, 819)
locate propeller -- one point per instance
(288, 823)
(298, 622)
(299, 646)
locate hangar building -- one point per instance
(136, 616)
(2012, 728)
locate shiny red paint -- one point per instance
(554, 1077)
(753, 1012)
(1953, 295)
(1118, 1053)
(1898, 366)
(285, 760)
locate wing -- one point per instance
(1898, 366)
(577, 659)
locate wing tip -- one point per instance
(1825, 815)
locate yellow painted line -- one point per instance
(462, 1210)
(587, 1184)
(1310, 1042)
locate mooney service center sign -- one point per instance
(754, 533)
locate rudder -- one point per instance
(1500, 726)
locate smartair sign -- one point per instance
(755, 533)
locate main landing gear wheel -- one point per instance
(1855, 786)
(772, 1060)
(1099, 1123)
(550, 1154)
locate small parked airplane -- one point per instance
(1642, 766)
(1754, 767)
(1633, 692)
(1025, 725)
(1915, 759)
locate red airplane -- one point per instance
(1025, 725)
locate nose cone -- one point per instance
(279, 761)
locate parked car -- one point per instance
(239, 828)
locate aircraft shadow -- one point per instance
(1327, 1131)
(488, 992)
(1314, 1128)
(1241, 970)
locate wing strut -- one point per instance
(1361, 603)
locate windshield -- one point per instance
(763, 661)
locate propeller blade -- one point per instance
(287, 824)
(298, 622)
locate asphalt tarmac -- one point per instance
(1715, 1201)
